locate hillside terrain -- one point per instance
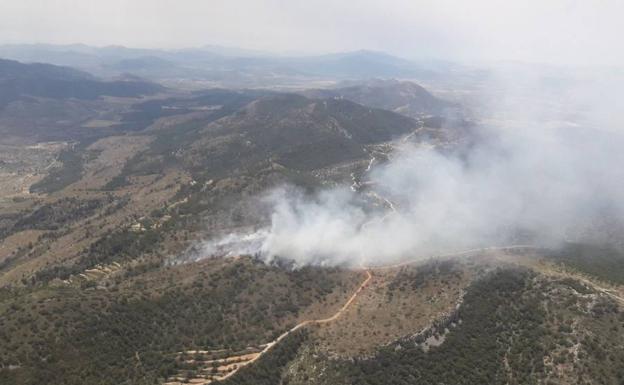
(108, 189)
(49, 81)
(46, 103)
(403, 97)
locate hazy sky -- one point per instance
(554, 31)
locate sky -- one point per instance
(546, 31)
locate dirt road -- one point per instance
(369, 276)
(300, 325)
(353, 297)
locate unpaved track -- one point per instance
(369, 276)
(302, 324)
(344, 307)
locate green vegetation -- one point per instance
(163, 152)
(55, 215)
(127, 325)
(513, 327)
(268, 370)
(69, 172)
(604, 262)
(129, 333)
(415, 279)
(118, 246)
(160, 155)
(499, 318)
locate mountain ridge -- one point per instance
(57, 82)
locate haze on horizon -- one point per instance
(562, 32)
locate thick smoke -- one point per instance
(548, 168)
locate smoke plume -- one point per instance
(547, 169)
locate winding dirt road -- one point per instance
(369, 276)
(302, 324)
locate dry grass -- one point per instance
(22, 166)
(389, 309)
(112, 154)
(146, 194)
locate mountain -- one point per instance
(217, 64)
(305, 134)
(143, 63)
(43, 102)
(357, 65)
(72, 55)
(10, 69)
(125, 225)
(49, 81)
(288, 130)
(403, 97)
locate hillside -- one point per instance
(129, 327)
(403, 97)
(48, 81)
(105, 276)
(298, 133)
(512, 327)
(44, 103)
(274, 192)
(183, 167)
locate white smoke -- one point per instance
(545, 171)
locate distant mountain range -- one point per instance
(226, 65)
(49, 102)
